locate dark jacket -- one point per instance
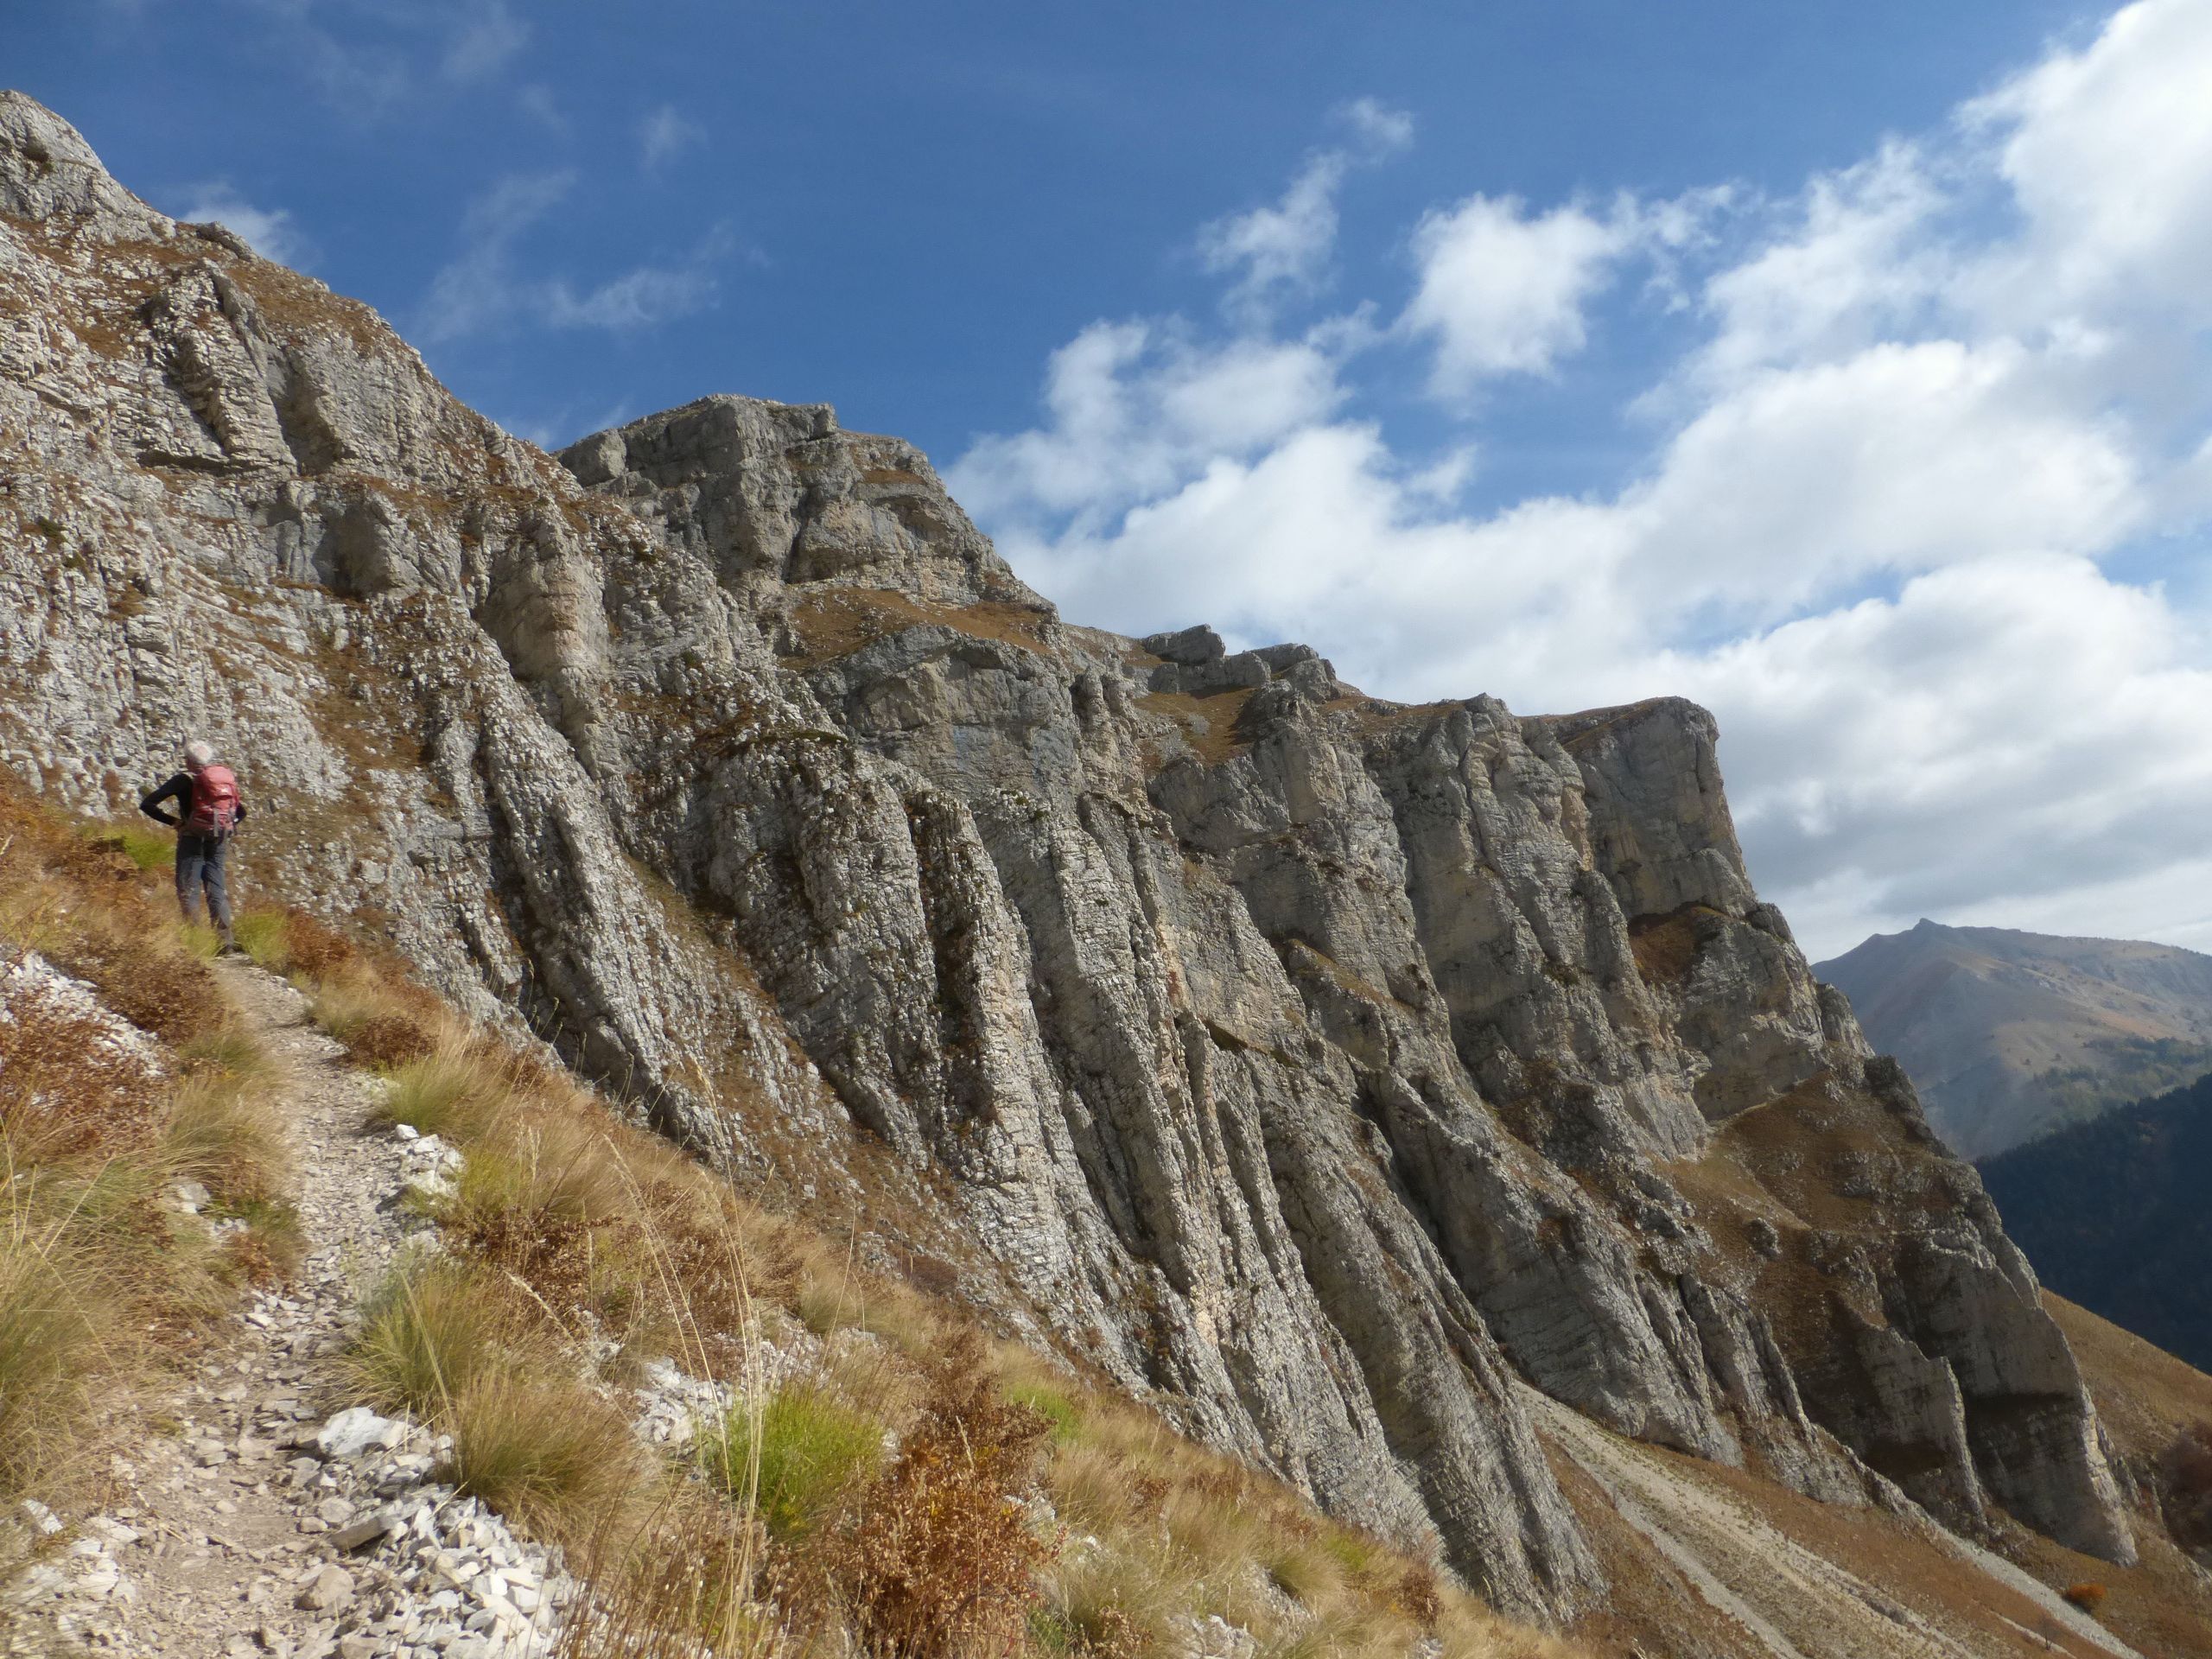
(178, 789)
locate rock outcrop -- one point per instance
(1314, 1064)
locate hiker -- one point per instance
(208, 809)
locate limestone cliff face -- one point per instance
(1315, 1065)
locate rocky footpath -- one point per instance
(254, 1512)
(1320, 1068)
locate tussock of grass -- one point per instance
(262, 934)
(221, 1133)
(228, 1050)
(55, 1329)
(456, 1345)
(794, 1458)
(456, 1090)
(431, 1330)
(536, 1445)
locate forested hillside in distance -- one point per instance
(2113, 1214)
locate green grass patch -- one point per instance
(1056, 1406)
(1356, 1555)
(262, 935)
(803, 1452)
(150, 849)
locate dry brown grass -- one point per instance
(839, 621)
(103, 1280)
(939, 1557)
(1666, 946)
(1212, 723)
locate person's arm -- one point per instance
(178, 789)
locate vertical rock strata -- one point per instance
(1311, 1062)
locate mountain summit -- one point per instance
(1415, 1102)
(2009, 1035)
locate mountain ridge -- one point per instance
(2009, 1034)
(1323, 1070)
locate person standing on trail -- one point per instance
(209, 808)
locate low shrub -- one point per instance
(377, 1025)
(157, 986)
(941, 1559)
(2087, 1597)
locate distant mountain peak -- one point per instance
(2008, 1034)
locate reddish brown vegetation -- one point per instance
(940, 1558)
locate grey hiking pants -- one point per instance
(199, 864)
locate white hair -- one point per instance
(198, 754)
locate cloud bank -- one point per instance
(1921, 512)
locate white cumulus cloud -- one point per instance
(1922, 513)
(1282, 250)
(1503, 290)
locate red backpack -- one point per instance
(214, 802)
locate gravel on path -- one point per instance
(259, 1509)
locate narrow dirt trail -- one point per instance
(244, 1516)
(212, 1491)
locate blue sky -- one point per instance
(1841, 365)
